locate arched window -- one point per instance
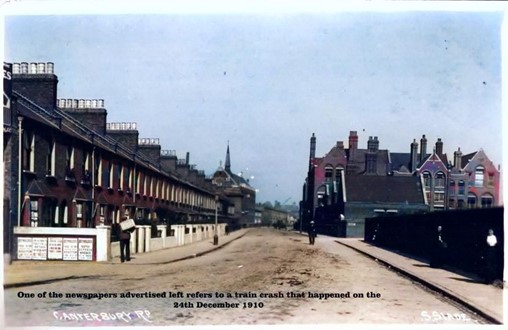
(28, 153)
(471, 201)
(427, 180)
(338, 173)
(440, 180)
(462, 187)
(478, 176)
(328, 173)
(451, 187)
(487, 200)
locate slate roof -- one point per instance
(384, 189)
(400, 160)
(64, 122)
(359, 160)
(403, 159)
(466, 158)
(238, 179)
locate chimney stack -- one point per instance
(90, 113)
(312, 154)
(151, 148)
(423, 148)
(457, 159)
(373, 144)
(168, 160)
(439, 147)
(37, 82)
(125, 133)
(414, 156)
(353, 144)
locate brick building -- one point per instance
(345, 186)
(66, 166)
(470, 181)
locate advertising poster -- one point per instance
(85, 248)
(55, 248)
(25, 246)
(70, 248)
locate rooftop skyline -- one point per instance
(266, 82)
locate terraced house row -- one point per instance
(65, 166)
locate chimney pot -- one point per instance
(50, 67)
(24, 67)
(41, 67)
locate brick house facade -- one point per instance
(66, 166)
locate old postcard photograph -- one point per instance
(253, 163)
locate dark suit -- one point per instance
(125, 249)
(312, 234)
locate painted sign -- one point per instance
(7, 96)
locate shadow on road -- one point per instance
(420, 265)
(468, 280)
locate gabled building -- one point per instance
(238, 190)
(345, 186)
(483, 182)
(470, 181)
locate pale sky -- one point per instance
(265, 82)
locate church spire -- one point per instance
(227, 165)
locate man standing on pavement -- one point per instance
(490, 257)
(439, 248)
(125, 243)
(312, 233)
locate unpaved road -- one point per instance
(266, 277)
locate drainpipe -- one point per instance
(20, 145)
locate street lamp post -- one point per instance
(216, 232)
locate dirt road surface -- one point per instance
(266, 277)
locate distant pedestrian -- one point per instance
(125, 242)
(438, 248)
(490, 257)
(312, 233)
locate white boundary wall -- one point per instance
(68, 244)
(181, 235)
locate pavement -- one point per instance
(468, 290)
(25, 273)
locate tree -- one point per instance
(267, 204)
